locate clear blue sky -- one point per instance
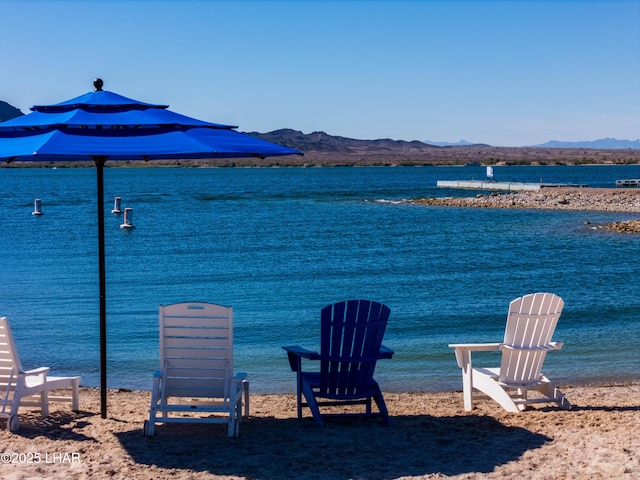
(507, 73)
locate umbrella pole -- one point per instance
(99, 161)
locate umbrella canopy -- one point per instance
(103, 125)
(62, 143)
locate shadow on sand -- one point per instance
(58, 426)
(354, 449)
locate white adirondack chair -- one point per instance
(531, 322)
(196, 381)
(20, 388)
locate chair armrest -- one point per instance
(238, 385)
(549, 346)
(386, 352)
(478, 347)
(239, 377)
(296, 353)
(301, 352)
(463, 351)
(37, 372)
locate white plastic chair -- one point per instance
(196, 381)
(30, 388)
(531, 321)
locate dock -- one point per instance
(630, 182)
(502, 186)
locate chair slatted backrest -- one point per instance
(350, 339)
(9, 360)
(196, 349)
(531, 321)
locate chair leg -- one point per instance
(231, 430)
(236, 430)
(245, 389)
(467, 382)
(299, 392)
(382, 406)
(13, 424)
(236, 415)
(238, 419)
(15, 405)
(44, 403)
(554, 395)
(75, 394)
(149, 427)
(312, 403)
(145, 429)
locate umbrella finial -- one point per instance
(98, 84)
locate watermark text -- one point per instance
(40, 458)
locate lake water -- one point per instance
(278, 244)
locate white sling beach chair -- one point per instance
(30, 388)
(531, 321)
(196, 381)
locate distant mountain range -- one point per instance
(460, 143)
(7, 112)
(323, 142)
(603, 143)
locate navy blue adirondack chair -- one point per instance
(350, 345)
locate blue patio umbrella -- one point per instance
(101, 126)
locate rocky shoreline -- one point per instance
(555, 198)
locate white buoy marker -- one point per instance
(37, 207)
(117, 202)
(128, 219)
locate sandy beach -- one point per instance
(430, 437)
